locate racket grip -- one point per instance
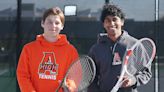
(115, 89)
(65, 89)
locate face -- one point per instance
(113, 26)
(52, 26)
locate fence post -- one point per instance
(18, 37)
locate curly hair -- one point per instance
(111, 10)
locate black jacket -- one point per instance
(108, 68)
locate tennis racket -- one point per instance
(80, 74)
(139, 56)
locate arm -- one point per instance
(23, 73)
(144, 76)
(140, 78)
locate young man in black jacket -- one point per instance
(109, 51)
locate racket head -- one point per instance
(81, 72)
(136, 58)
(142, 55)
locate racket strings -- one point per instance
(150, 48)
(75, 73)
(88, 73)
(142, 56)
(82, 72)
(134, 63)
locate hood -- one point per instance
(62, 40)
(103, 38)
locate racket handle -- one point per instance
(65, 89)
(115, 89)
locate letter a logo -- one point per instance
(116, 59)
(48, 64)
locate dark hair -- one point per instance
(111, 10)
(54, 11)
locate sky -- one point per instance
(135, 9)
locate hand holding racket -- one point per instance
(79, 76)
(139, 56)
